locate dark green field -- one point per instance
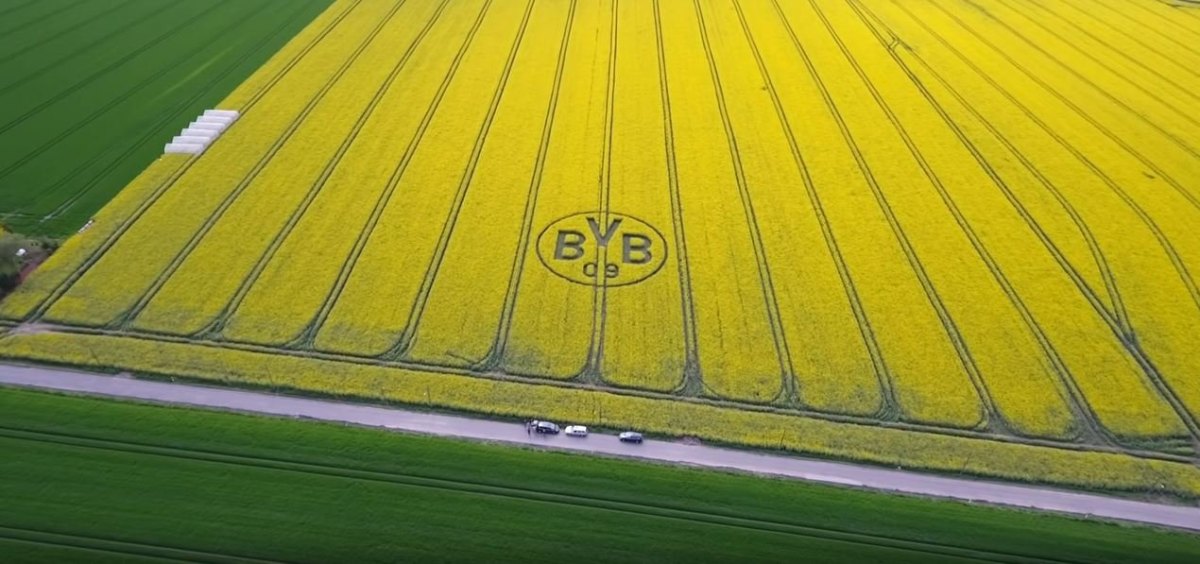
(90, 90)
(83, 478)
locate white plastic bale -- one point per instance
(183, 148)
(209, 134)
(198, 140)
(217, 128)
(215, 119)
(232, 114)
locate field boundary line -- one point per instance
(219, 323)
(866, 475)
(533, 380)
(65, 285)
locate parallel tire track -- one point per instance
(989, 413)
(47, 67)
(1077, 403)
(220, 322)
(257, 169)
(307, 338)
(102, 110)
(65, 285)
(593, 368)
(37, 19)
(168, 116)
(64, 31)
(504, 325)
(363, 474)
(1135, 350)
(787, 392)
(408, 337)
(691, 382)
(60, 95)
(888, 408)
(119, 547)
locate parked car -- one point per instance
(630, 437)
(576, 431)
(545, 427)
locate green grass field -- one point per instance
(92, 478)
(90, 90)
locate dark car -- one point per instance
(630, 437)
(545, 427)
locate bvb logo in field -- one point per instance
(596, 248)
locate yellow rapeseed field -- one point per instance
(949, 234)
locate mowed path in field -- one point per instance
(90, 90)
(965, 218)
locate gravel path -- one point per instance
(862, 476)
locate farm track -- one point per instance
(508, 492)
